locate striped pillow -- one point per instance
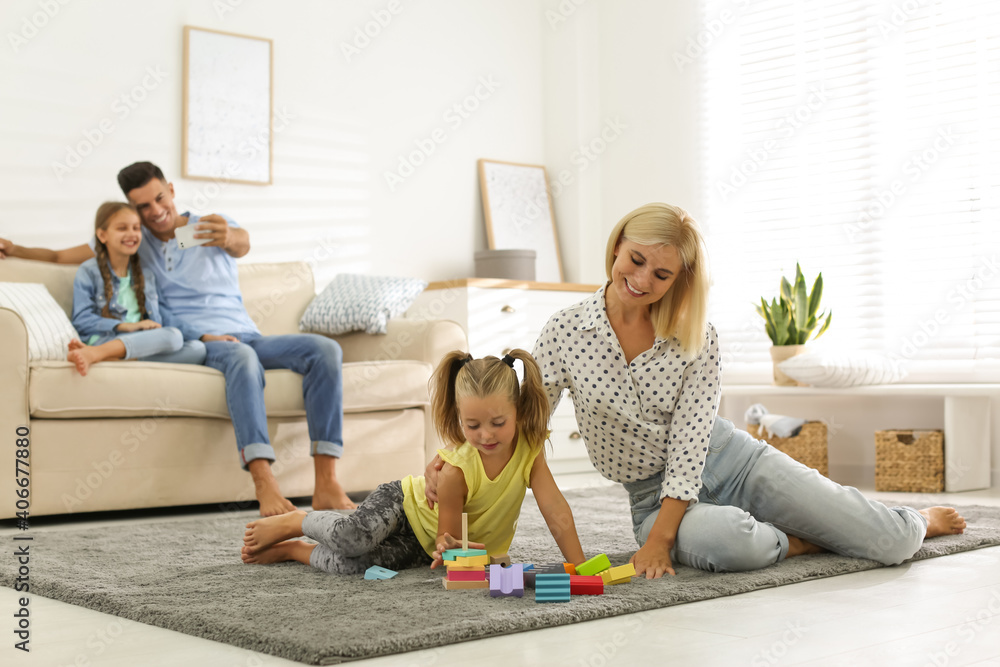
(49, 330)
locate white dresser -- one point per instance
(499, 315)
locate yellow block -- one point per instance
(473, 560)
(464, 585)
(464, 568)
(618, 575)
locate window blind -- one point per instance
(862, 140)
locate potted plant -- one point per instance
(791, 320)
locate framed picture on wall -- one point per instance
(227, 107)
(518, 212)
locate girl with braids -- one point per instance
(115, 306)
(498, 426)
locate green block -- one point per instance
(452, 554)
(595, 565)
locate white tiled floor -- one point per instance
(943, 612)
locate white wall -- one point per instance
(349, 121)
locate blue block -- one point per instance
(376, 572)
(452, 554)
(552, 587)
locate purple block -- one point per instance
(506, 581)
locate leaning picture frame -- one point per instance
(517, 208)
(227, 107)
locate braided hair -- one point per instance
(105, 212)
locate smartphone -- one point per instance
(185, 236)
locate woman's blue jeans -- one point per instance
(753, 496)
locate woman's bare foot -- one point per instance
(943, 521)
(799, 547)
(263, 533)
(278, 553)
(330, 496)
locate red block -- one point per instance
(469, 576)
(581, 585)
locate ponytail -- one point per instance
(444, 406)
(533, 402)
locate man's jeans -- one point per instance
(316, 358)
(753, 496)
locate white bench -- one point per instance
(966, 420)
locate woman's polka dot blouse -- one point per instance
(638, 419)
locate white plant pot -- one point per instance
(778, 354)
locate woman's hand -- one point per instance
(445, 542)
(431, 479)
(653, 560)
(126, 327)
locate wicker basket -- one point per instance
(909, 461)
(808, 447)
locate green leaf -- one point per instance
(800, 310)
(786, 289)
(817, 294)
(781, 318)
(826, 325)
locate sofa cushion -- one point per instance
(136, 388)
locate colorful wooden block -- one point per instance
(507, 581)
(595, 565)
(570, 568)
(551, 568)
(452, 567)
(552, 587)
(464, 585)
(466, 576)
(452, 554)
(618, 575)
(583, 585)
(502, 559)
(479, 561)
(376, 572)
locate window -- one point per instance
(861, 139)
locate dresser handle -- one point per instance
(575, 435)
(507, 309)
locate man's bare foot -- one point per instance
(943, 521)
(82, 358)
(278, 553)
(266, 489)
(263, 533)
(331, 497)
(799, 547)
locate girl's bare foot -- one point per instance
(82, 358)
(263, 533)
(943, 521)
(799, 547)
(75, 344)
(278, 553)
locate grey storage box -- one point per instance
(509, 264)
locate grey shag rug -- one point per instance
(186, 575)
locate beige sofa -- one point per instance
(137, 434)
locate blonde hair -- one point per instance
(105, 212)
(459, 376)
(682, 313)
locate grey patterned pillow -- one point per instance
(354, 302)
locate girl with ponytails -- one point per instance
(497, 426)
(115, 306)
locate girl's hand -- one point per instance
(445, 542)
(431, 479)
(126, 327)
(653, 559)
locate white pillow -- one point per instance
(842, 369)
(49, 330)
(360, 303)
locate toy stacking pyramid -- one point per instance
(466, 567)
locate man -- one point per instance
(199, 294)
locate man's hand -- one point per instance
(215, 228)
(209, 338)
(7, 248)
(653, 560)
(125, 327)
(431, 479)
(445, 542)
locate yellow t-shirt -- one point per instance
(492, 505)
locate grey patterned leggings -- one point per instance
(377, 533)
